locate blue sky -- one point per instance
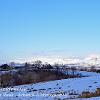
(43, 27)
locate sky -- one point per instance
(49, 27)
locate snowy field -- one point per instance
(65, 89)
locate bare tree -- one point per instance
(38, 64)
(27, 65)
(73, 70)
(93, 68)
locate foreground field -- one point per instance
(54, 90)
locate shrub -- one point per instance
(87, 94)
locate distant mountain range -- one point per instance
(92, 60)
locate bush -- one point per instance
(6, 80)
(87, 94)
(98, 71)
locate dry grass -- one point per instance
(87, 94)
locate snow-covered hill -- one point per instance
(54, 90)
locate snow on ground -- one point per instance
(63, 89)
